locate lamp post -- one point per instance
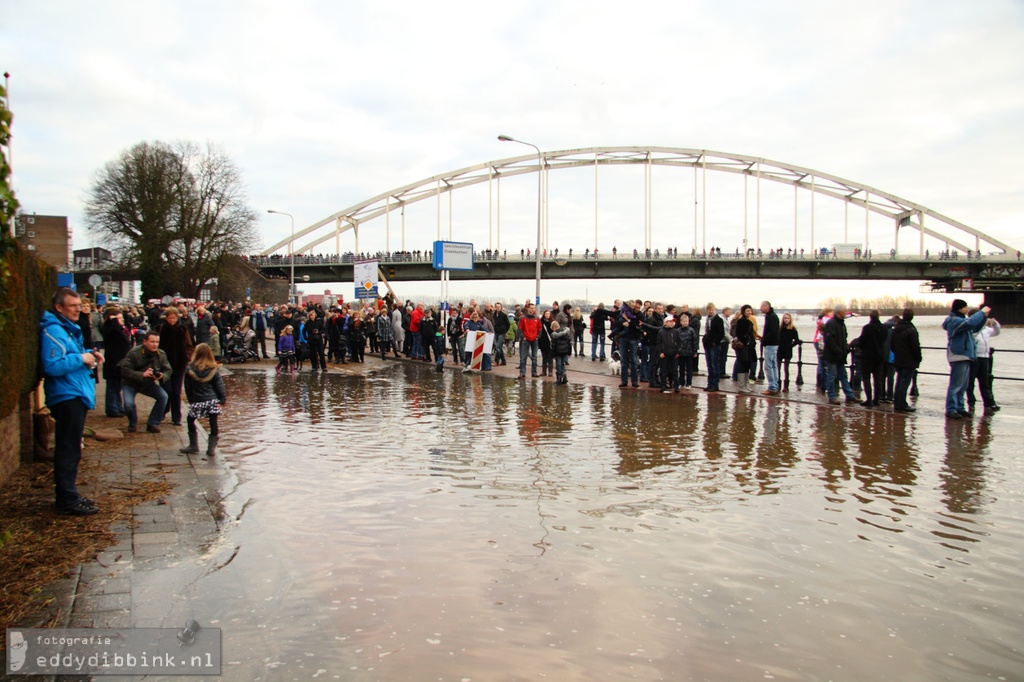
(540, 167)
(10, 157)
(291, 255)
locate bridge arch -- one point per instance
(905, 214)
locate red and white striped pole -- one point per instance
(475, 345)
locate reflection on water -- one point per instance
(410, 525)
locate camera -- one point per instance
(157, 374)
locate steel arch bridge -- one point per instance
(905, 214)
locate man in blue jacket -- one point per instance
(70, 393)
(960, 353)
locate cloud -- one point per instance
(326, 104)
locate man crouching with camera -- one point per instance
(142, 371)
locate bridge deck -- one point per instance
(984, 274)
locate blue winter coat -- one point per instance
(960, 333)
(65, 374)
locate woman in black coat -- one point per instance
(906, 349)
(544, 344)
(746, 356)
(176, 342)
(873, 357)
(117, 342)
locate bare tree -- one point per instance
(173, 213)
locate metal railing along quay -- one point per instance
(852, 367)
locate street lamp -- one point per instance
(291, 256)
(540, 167)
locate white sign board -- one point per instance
(365, 275)
(453, 256)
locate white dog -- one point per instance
(614, 367)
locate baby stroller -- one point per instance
(139, 334)
(237, 349)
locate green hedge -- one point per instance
(26, 287)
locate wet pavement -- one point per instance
(127, 584)
(117, 589)
(321, 542)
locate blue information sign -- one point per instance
(453, 256)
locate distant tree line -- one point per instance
(888, 305)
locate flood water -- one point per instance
(405, 525)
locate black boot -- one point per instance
(211, 446)
(193, 441)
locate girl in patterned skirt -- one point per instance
(205, 391)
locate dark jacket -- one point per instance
(176, 342)
(454, 327)
(836, 345)
(788, 340)
(282, 321)
(579, 326)
(770, 334)
(85, 324)
(335, 328)
(688, 341)
(501, 323)
(204, 327)
(744, 331)
(872, 343)
(715, 333)
(906, 345)
(138, 360)
(668, 342)
(116, 343)
(630, 323)
(186, 320)
(355, 333)
(598, 318)
(544, 338)
(313, 332)
(428, 330)
(561, 341)
(204, 385)
(650, 326)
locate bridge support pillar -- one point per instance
(1007, 306)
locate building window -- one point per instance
(30, 221)
(31, 247)
(31, 234)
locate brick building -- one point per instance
(47, 236)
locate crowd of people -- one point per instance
(160, 351)
(656, 344)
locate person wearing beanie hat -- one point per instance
(960, 353)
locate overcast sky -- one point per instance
(325, 104)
